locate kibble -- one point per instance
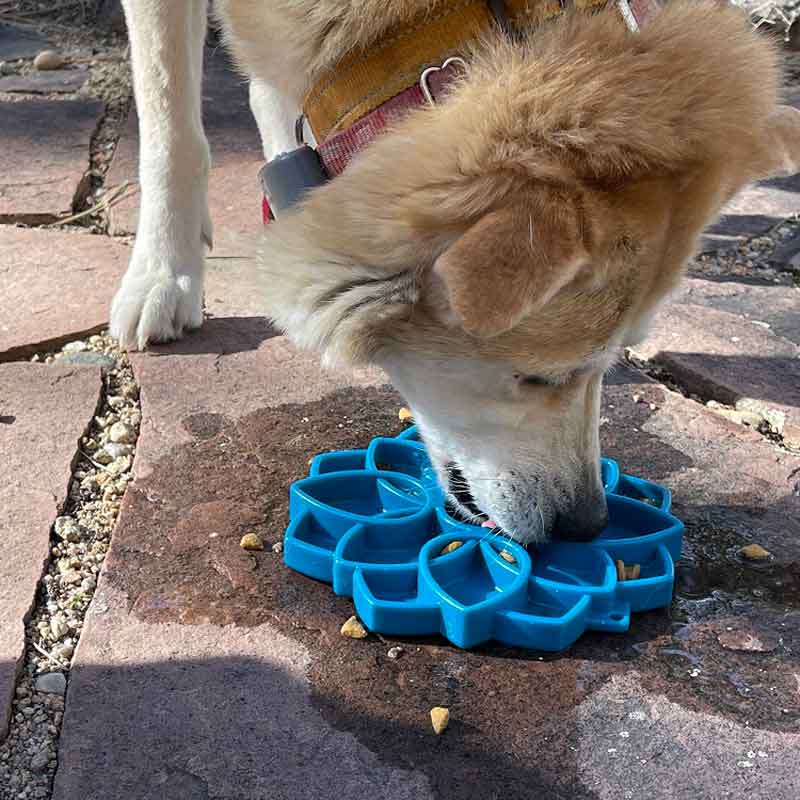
(504, 554)
(353, 629)
(440, 719)
(251, 541)
(449, 548)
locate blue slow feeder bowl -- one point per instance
(373, 524)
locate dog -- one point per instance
(493, 250)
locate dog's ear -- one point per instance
(781, 152)
(507, 264)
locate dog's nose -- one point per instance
(583, 523)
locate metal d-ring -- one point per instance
(426, 73)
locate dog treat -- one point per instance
(405, 414)
(251, 541)
(628, 572)
(755, 552)
(504, 554)
(440, 718)
(353, 629)
(450, 547)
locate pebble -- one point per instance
(120, 433)
(64, 651)
(116, 450)
(78, 346)
(353, 629)
(88, 359)
(40, 761)
(6, 68)
(405, 414)
(440, 719)
(67, 528)
(251, 541)
(277, 548)
(754, 552)
(51, 683)
(747, 642)
(119, 466)
(70, 576)
(395, 652)
(58, 627)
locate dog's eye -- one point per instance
(531, 380)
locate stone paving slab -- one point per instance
(54, 286)
(208, 672)
(766, 305)
(44, 157)
(43, 413)
(725, 357)
(236, 157)
(17, 42)
(57, 81)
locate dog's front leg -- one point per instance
(161, 294)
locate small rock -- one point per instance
(637, 398)
(277, 548)
(79, 346)
(746, 642)
(353, 629)
(119, 466)
(405, 414)
(395, 652)
(64, 651)
(251, 541)
(67, 528)
(71, 576)
(791, 436)
(116, 450)
(40, 761)
(51, 683)
(120, 433)
(440, 719)
(88, 359)
(46, 60)
(58, 627)
(6, 68)
(88, 584)
(754, 552)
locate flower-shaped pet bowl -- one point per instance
(373, 524)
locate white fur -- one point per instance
(161, 294)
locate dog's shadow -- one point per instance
(220, 336)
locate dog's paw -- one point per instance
(156, 305)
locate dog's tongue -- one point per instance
(489, 523)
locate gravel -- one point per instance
(79, 541)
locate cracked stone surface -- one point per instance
(69, 280)
(44, 157)
(17, 42)
(190, 628)
(234, 194)
(57, 81)
(43, 413)
(726, 357)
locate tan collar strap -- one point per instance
(366, 79)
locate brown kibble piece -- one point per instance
(353, 629)
(251, 541)
(632, 572)
(508, 557)
(620, 570)
(405, 414)
(755, 552)
(448, 548)
(440, 719)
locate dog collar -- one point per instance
(359, 97)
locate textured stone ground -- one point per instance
(203, 671)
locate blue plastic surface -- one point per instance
(373, 524)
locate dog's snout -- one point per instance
(583, 523)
